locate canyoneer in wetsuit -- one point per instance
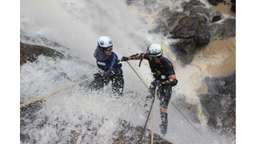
(164, 78)
(109, 65)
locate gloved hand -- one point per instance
(170, 82)
(124, 58)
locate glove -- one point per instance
(170, 82)
(124, 58)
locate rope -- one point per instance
(137, 74)
(43, 98)
(145, 125)
(152, 103)
(183, 115)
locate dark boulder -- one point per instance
(194, 34)
(200, 11)
(187, 6)
(190, 26)
(167, 20)
(220, 102)
(29, 52)
(195, 7)
(215, 2)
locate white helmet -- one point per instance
(104, 42)
(155, 50)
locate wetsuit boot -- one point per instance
(164, 122)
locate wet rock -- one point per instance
(29, 111)
(198, 8)
(24, 138)
(128, 134)
(189, 27)
(167, 20)
(195, 7)
(192, 3)
(216, 17)
(30, 52)
(215, 2)
(220, 103)
(225, 29)
(27, 116)
(200, 11)
(194, 34)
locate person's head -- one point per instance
(155, 51)
(105, 44)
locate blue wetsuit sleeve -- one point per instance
(113, 61)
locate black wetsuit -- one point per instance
(161, 71)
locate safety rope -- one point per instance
(148, 116)
(183, 115)
(137, 74)
(145, 125)
(43, 98)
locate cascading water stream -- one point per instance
(76, 24)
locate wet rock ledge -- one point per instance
(29, 52)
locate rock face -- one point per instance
(220, 102)
(192, 27)
(30, 52)
(128, 134)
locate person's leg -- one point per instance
(98, 82)
(152, 88)
(117, 84)
(164, 98)
(165, 93)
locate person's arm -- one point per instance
(109, 71)
(134, 57)
(172, 79)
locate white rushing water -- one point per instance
(76, 24)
